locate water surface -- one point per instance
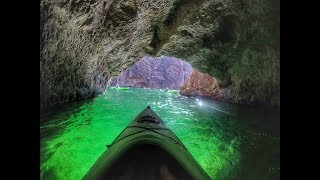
(229, 141)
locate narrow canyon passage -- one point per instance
(210, 69)
(228, 141)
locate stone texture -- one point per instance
(201, 84)
(83, 43)
(159, 73)
(237, 42)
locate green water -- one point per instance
(228, 141)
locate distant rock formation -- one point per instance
(159, 73)
(201, 84)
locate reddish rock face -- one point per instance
(200, 84)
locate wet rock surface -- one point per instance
(201, 84)
(159, 73)
(83, 43)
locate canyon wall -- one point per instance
(158, 73)
(201, 84)
(83, 43)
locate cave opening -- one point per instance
(168, 73)
(184, 105)
(155, 73)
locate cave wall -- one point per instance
(238, 42)
(85, 42)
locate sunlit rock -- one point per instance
(159, 73)
(201, 84)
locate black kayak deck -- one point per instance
(146, 149)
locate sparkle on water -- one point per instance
(73, 136)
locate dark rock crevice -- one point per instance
(226, 33)
(156, 39)
(170, 25)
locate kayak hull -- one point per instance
(145, 134)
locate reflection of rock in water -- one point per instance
(160, 73)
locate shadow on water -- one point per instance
(61, 116)
(65, 109)
(260, 147)
(261, 117)
(53, 123)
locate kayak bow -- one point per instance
(146, 149)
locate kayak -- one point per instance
(119, 88)
(146, 149)
(173, 92)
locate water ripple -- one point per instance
(73, 137)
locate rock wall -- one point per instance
(85, 42)
(238, 42)
(201, 84)
(159, 73)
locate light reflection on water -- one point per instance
(226, 145)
